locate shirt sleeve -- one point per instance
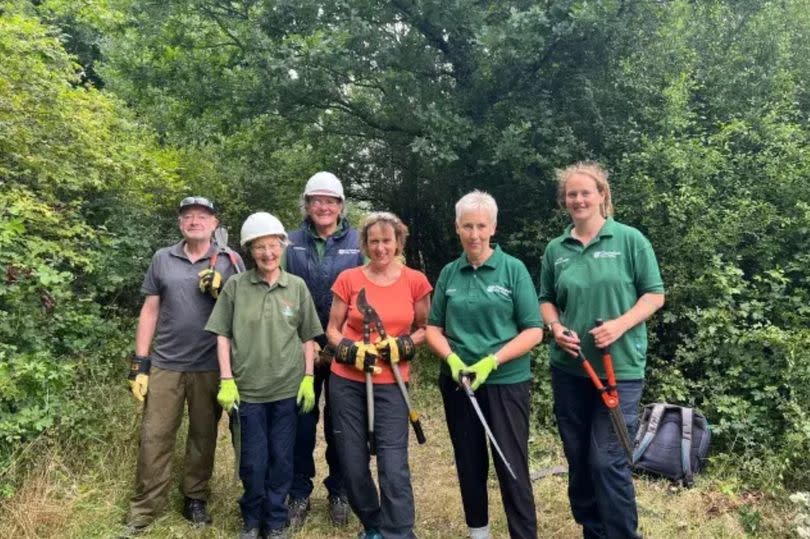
(221, 320)
(547, 293)
(310, 325)
(439, 303)
(343, 287)
(151, 284)
(647, 274)
(420, 286)
(527, 307)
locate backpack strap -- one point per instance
(686, 446)
(653, 422)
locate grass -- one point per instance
(83, 493)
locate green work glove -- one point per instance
(456, 366)
(210, 282)
(306, 394)
(481, 370)
(228, 394)
(396, 349)
(139, 376)
(356, 353)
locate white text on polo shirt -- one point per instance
(561, 260)
(607, 254)
(496, 289)
(348, 251)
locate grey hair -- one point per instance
(477, 200)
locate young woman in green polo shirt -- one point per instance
(597, 269)
(484, 320)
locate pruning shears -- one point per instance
(609, 394)
(371, 318)
(236, 438)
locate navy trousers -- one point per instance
(600, 481)
(304, 461)
(266, 461)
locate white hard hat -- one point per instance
(261, 224)
(326, 184)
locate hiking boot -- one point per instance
(298, 509)
(369, 534)
(131, 530)
(278, 533)
(338, 510)
(194, 511)
(249, 533)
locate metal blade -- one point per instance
(467, 389)
(221, 236)
(620, 428)
(236, 438)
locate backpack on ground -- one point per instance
(672, 441)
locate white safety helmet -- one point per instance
(261, 224)
(326, 184)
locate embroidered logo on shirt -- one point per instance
(299, 248)
(500, 290)
(561, 260)
(450, 291)
(348, 251)
(607, 254)
(287, 309)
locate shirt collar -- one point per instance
(282, 280)
(608, 230)
(491, 262)
(310, 226)
(177, 250)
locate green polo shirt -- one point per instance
(482, 309)
(603, 279)
(266, 325)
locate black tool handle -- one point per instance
(417, 429)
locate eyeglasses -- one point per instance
(327, 202)
(200, 216)
(267, 247)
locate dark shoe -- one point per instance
(279, 533)
(249, 533)
(338, 510)
(194, 511)
(298, 509)
(369, 534)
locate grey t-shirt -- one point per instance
(181, 342)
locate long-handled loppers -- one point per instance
(610, 395)
(370, 317)
(464, 382)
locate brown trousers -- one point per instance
(162, 414)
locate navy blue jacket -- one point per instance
(342, 251)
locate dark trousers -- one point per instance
(600, 482)
(506, 409)
(391, 512)
(304, 462)
(168, 392)
(266, 461)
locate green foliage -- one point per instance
(82, 184)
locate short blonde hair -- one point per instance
(593, 170)
(477, 200)
(388, 218)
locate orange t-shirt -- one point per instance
(395, 305)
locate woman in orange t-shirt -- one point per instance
(401, 297)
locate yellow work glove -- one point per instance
(358, 353)
(481, 370)
(139, 376)
(210, 282)
(397, 349)
(456, 366)
(306, 394)
(228, 394)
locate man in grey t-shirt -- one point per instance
(180, 286)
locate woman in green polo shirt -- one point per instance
(265, 322)
(484, 320)
(597, 269)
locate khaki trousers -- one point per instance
(162, 414)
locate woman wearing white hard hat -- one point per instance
(319, 251)
(261, 319)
